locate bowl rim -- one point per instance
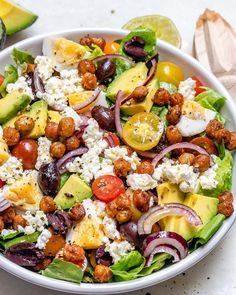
(164, 274)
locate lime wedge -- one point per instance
(164, 27)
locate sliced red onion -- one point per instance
(156, 213)
(165, 238)
(117, 113)
(86, 103)
(180, 145)
(79, 133)
(164, 249)
(151, 72)
(109, 139)
(84, 121)
(72, 154)
(106, 56)
(4, 204)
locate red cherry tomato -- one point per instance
(199, 84)
(205, 143)
(107, 188)
(1, 79)
(82, 263)
(114, 137)
(2, 183)
(27, 151)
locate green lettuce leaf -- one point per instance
(168, 86)
(223, 176)
(63, 270)
(64, 178)
(204, 235)
(10, 76)
(161, 113)
(128, 267)
(211, 100)
(158, 262)
(32, 238)
(20, 57)
(11, 236)
(97, 51)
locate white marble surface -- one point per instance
(216, 274)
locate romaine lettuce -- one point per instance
(96, 52)
(158, 262)
(20, 57)
(10, 76)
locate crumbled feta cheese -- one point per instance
(69, 112)
(11, 170)
(100, 208)
(22, 85)
(92, 133)
(207, 179)
(44, 67)
(44, 156)
(43, 239)
(89, 207)
(107, 168)
(7, 232)
(117, 250)
(144, 182)
(109, 228)
(95, 209)
(35, 222)
(187, 88)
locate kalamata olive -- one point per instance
(59, 221)
(105, 71)
(135, 47)
(103, 257)
(36, 83)
(104, 116)
(49, 179)
(130, 231)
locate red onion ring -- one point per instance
(164, 249)
(151, 72)
(86, 103)
(165, 238)
(72, 154)
(179, 145)
(156, 213)
(109, 139)
(117, 113)
(106, 56)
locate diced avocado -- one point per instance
(205, 207)
(130, 108)
(54, 116)
(15, 17)
(73, 191)
(11, 104)
(2, 34)
(38, 112)
(127, 81)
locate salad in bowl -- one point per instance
(113, 164)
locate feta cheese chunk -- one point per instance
(109, 228)
(144, 182)
(207, 179)
(43, 239)
(92, 133)
(117, 250)
(35, 222)
(22, 85)
(44, 67)
(187, 88)
(44, 156)
(7, 232)
(11, 170)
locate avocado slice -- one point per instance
(2, 34)
(131, 108)
(11, 104)
(15, 17)
(39, 112)
(127, 81)
(73, 191)
(54, 116)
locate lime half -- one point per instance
(164, 27)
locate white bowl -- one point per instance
(190, 67)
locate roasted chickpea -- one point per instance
(51, 130)
(176, 99)
(86, 66)
(47, 204)
(225, 208)
(11, 136)
(66, 127)
(102, 273)
(212, 127)
(73, 253)
(201, 162)
(72, 143)
(24, 124)
(173, 135)
(141, 200)
(100, 42)
(30, 68)
(222, 134)
(123, 202)
(86, 41)
(122, 167)
(123, 215)
(18, 220)
(77, 212)
(145, 167)
(226, 197)
(231, 145)
(161, 97)
(173, 115)
(43, 265)
(89, 81)
(8, 215)
(186, 158)
(57, 149)
(129, 149)
(139, 93)
(111, 209)
(1, 223)
(156, 228)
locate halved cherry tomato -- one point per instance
(142, 131)
(169, 72)
(82, 263)
(107, 188)
(27, 151)
(54, 245)
(1, 79)
(2, 183)
(198, 89)
(111, 48)
(113, 136)
(205, 143)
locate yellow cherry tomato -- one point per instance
(111, 48)
(143, 131)
(169, 72)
